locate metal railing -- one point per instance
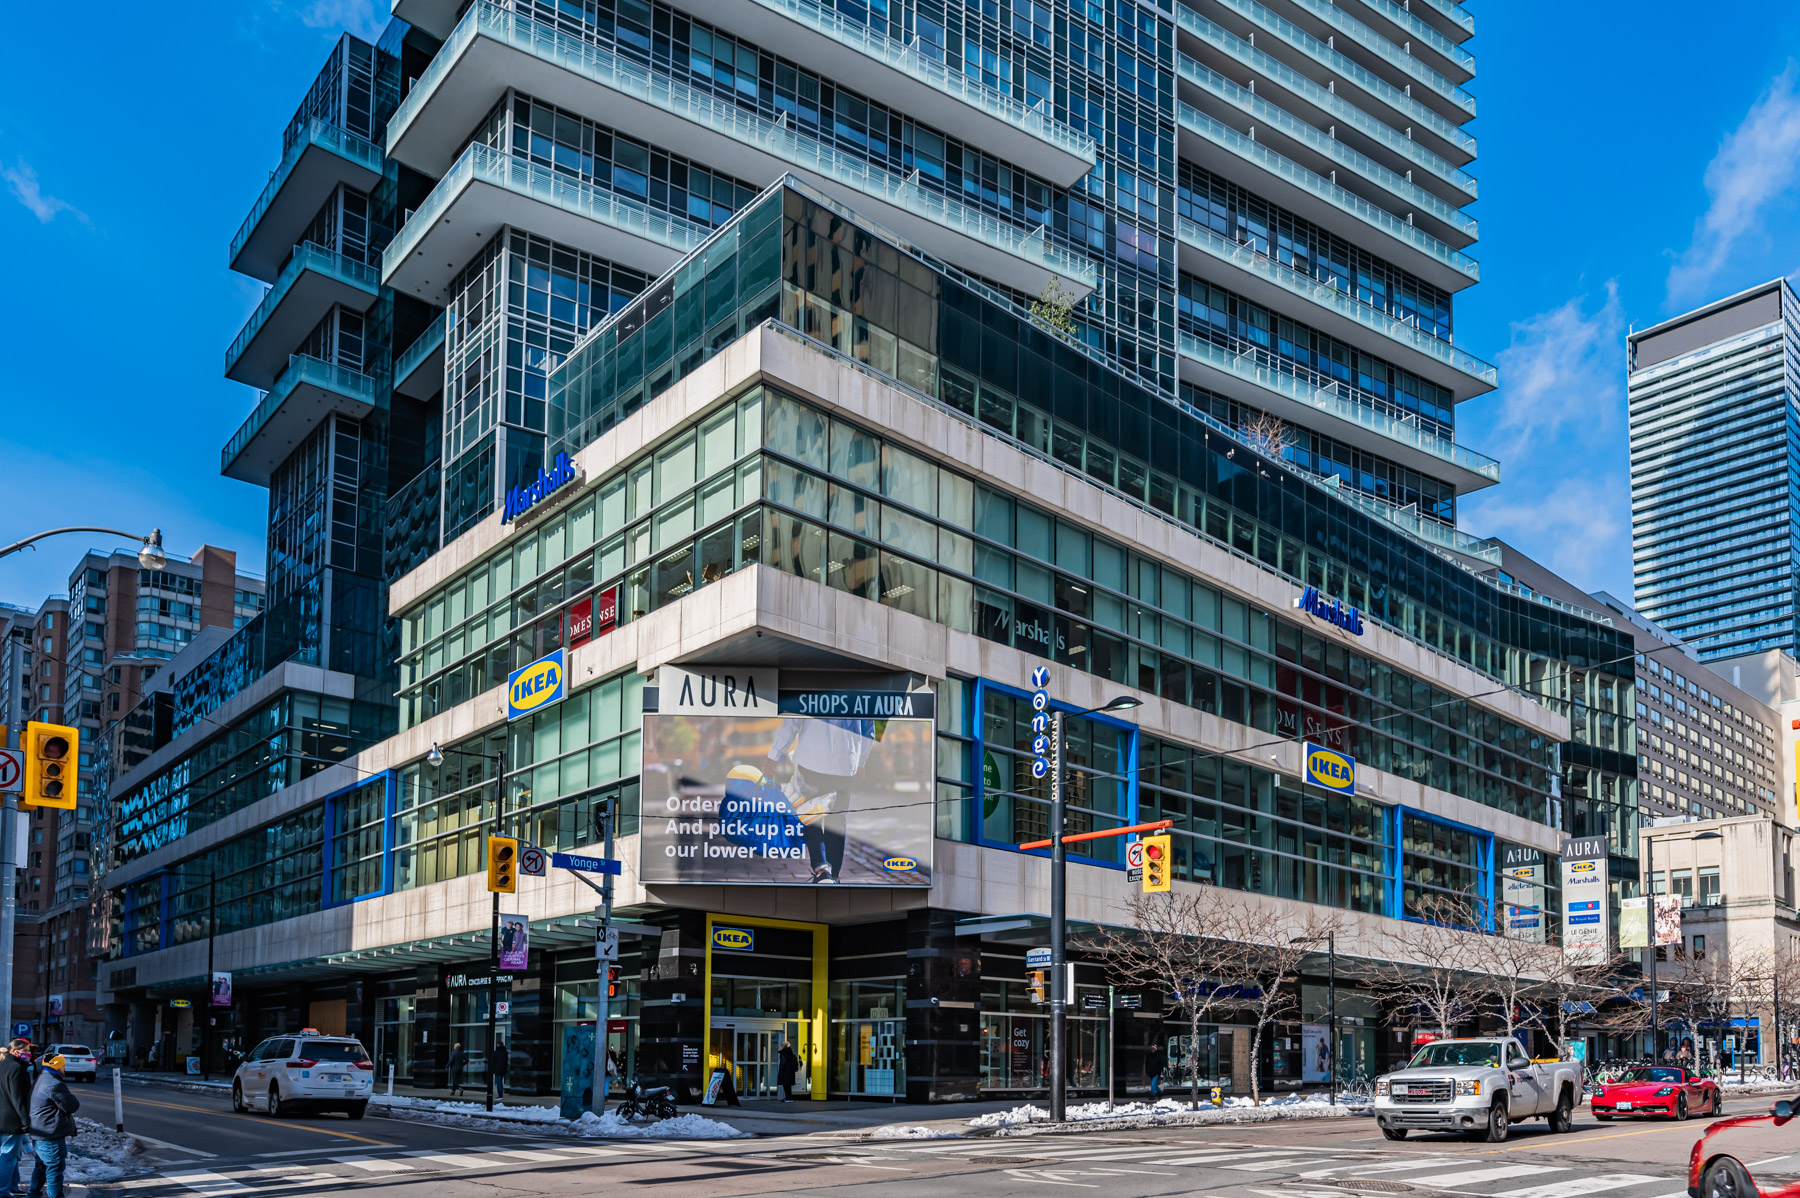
(1318, 291)
(1454, 13)
(307, 256)
(1425, 33)
(1373, 42)
(483, 163)
(301, 368)
(906, 58)
(607, 69)
(317, 133)
(423, 346)
(1322, 399)
(1261, 110)
(1227, 138)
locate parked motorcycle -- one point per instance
(654, 1103)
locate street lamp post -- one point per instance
(212, 922)
(1330, 939)
(435, 758)
(1651, 946)
(1059, 877)
(150, 554)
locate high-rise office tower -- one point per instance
(1715, 492)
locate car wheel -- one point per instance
(274, 1107)
(1725, 1178)
(1681, 1111)
(1497, 1123)
(1562, 1119)
(356, 1109)
(237, 1098)
(1394, 1133)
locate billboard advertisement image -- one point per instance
(753, 778)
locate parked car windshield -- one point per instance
(1650, 1075)
(324, 1050)
(1451, 1053)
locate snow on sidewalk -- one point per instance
(549, 1120)
(1173, 1110)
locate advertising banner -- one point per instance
(1634, 923)
(1585, 940)
(1668, 918)
(515, 943)
(221, 989)
(1315, 1052)
(754, 778)
(1522, 892)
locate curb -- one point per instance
(1131, 1122)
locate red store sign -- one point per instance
(594, 616)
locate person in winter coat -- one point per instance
(15, 1116)
(454, 1066)
(500, 1065)
(1159, 1060)
(52, 1123)
(787, 1071)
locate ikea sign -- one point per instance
(534, 686)
(1330, 769)
(737, 940)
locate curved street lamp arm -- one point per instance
(26, 543)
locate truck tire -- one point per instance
(1562, 1119)
(1498, 1123)
(1394, 1133)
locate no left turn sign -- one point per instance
(531, 861)
(1134, 855)
(12, 769)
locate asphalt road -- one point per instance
(202, 1147)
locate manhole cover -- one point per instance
(1375, 1185)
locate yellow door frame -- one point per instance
(821, 943)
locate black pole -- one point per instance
(494, 934)
(1650, 945)
(1059, 871)
(212, 921)
(1331, 957)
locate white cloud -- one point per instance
(365, 18)
(23, 183)
(1565, 365)
(1756, 164)
(1578, 528)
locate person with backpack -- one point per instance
(52, 1123)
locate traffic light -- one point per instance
(1156, 863)
(612, 981)
(52, 765)
(1037, 981)
(503, 864)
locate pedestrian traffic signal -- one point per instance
(1156, 863)
(612, 981)
(52, 765)
(1037, 981)
(503, 864)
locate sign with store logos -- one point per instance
(737, 940)
(1584, 900)
(1330, 769)
(536, 685)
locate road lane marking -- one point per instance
(263, 1121)
(1269, 1166)
(201, 1181)
(466, 1160)
(584, 1150)
(193, 1152)
(1577, 1186)
(1048, 1179)
(1493, 1173)
(372, 1164)
(1423, 1162)
(526, 1155)
(1584, 1139)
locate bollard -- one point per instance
(118, 1102)
(390, 1084)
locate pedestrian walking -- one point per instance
(454, 1067)
(15, 1116)
(52, 1123)
(1159, 1060)
(500, 1065)
(787, 1071)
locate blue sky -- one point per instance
(1630, 166)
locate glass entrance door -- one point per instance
(751, 1049)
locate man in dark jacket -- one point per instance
(454, 1067)
(787, 1071)
(52, 1123)
(15, 1116)
(501, 1065)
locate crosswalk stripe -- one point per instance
(525, 1154)
(1270, 1166)
(1577, 1186)
(374, 1164)
(585, 1150)
(1203, 1158)
(204, 1181)
(1496, 1173)
(458, 1160)
(1423, 1162)
(293, 1175)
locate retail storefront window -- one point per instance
(868, 1045)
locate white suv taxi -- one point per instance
(79, 1063)
(305, 1070)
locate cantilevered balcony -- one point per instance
(492, 49)
(313, 280)
(1394, 435)
(1260, 278)
(1218, 147)
(903, 75)
(305, 395)
(1438, 48)
(488, 188)
(1417, 71)
(322, 157)
(1323, 154)
(419, 370)
(1322, 107)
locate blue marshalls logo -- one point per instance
(1331, 610)
(520, 500)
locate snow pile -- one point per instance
(549, 1120)
(893, 1132)
(512, 1114)
(681, 1127)
(1171, 1110)
(97, 1154)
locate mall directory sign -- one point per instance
(759, 777)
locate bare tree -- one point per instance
(1265, 949)
(1569, 990)
(1270, 435)
(1173, 943)
(1433, 967)
(1511, 972)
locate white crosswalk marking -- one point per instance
(1578, 1187)
(293, 1175)
(1266, 1166)
(459, 1160)
(524, 1154)
(204, 1181)
(371, 1164)
(1363, 1168)
(1449, 1181)
(585, 1150)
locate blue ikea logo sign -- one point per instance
(520, 500)
(1330, 769)
(1314, 603)
(737, 940)
(533, 686)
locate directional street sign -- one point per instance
(531, 861)
(1130, 1002)
(606, 945)
(1093, 1001)
(12, 770)
(1037, 958)
(586, 865)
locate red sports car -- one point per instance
(1666, 1090)
(1720, 1163)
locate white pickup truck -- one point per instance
(1477, 1086)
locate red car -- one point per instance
(1666, 1090)
(1721, 1162)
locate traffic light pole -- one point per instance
(602, 969)
(1059, 903)
(494, 933)
(9, 902)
